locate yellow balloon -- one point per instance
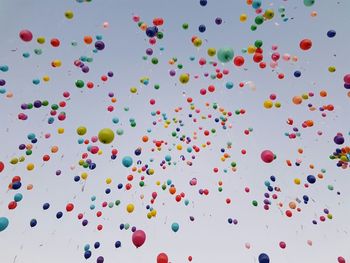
(332, 69)
(243, 17)
(133, 89)
(179, 147)
(184, 78)
(211, 52)
(278, 104)
(108, 180)
(46, 78)
(84, 176)
(130, 208)
(81, 130)
(40, 40)
(57, 63)
(30, 166)
(297, 181)
(269, 14)
(14, 160)
(60, 130)
(69, 14)
(251, 49)
(268, 104)
(197, 42)
(154, 213)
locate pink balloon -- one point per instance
(267, 156)
(138, 238)
(347, 78)
(26, 35)
(162, 258)
(341, 260)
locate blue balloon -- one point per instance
(331, 33)
(33, 222)
(151, 31)
(118, 244)
(263, 258)
(87, 254)
(203, 2)
(202, 28)
(127, 161)
(311, 179)
(4, 222)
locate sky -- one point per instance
(209, 238)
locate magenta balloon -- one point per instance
(26, 35)
(162, 258)
(138, 238)
(267, 156)
(341, 260)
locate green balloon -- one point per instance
(309, 2)
(225, 55)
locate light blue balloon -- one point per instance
(127, 161)
(18, 197)
(4, 222)
(175, 227)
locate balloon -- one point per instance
(69, 14)
(130, 208)
(347, 78)
(309, 2)
(263, 258)
(2, 166)
(106, 136)
(175, 227)
(26, 35)
(331, 33)
(138, 238)
(225, 55)
(341, 260)
(81, 130)
(305, 44)
(267, 156)
(127, 161)
(162, 258)
(4, 222)
(184, 78)
(338, 139)
(283, 245)
(311, 179)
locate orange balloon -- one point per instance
(297, 100)
(88, 40)
(145, 138)
(323, 93)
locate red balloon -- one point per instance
(138, 238)
(347, 78)
(69, 207)
(162, 258)
(238, 61)
(26, 35)
(283, 245)
(341, 260)
(267, 156)
(2, 166)
(305, 44)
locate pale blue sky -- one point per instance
(209, 238)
